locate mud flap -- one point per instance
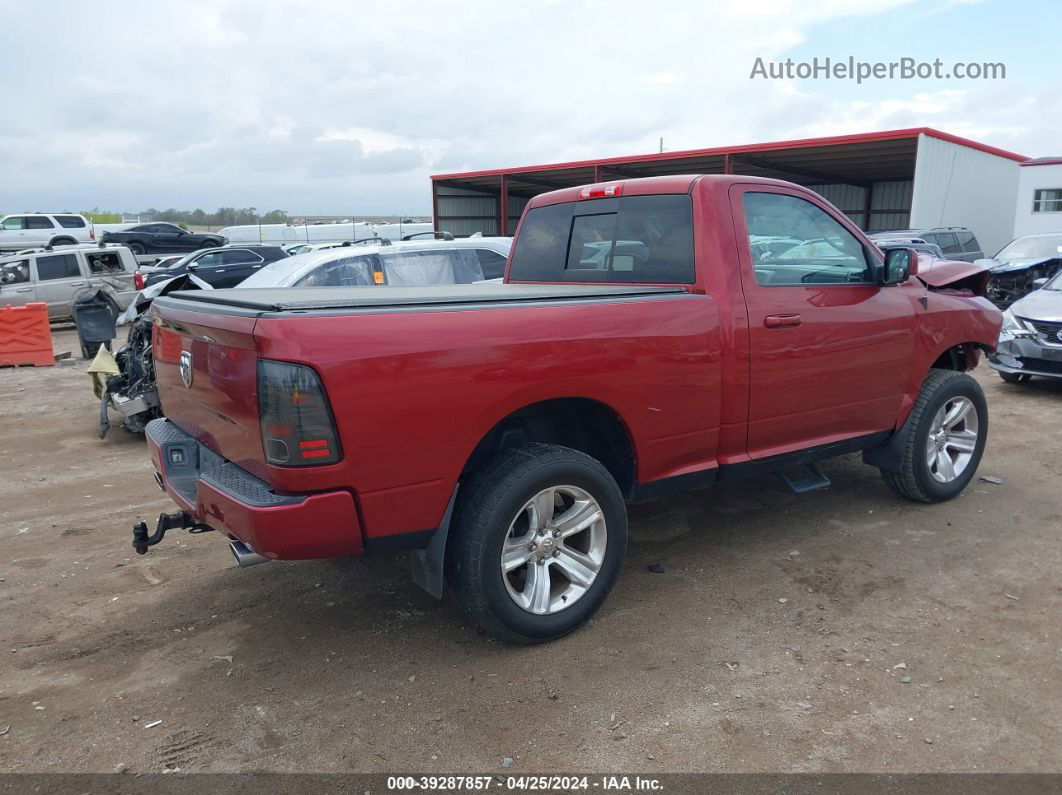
(428, 565)
(890, 455)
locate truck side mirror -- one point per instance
(900, 263)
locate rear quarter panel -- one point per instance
(413, 393)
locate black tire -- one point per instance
(62, 241)
(1014, 378)
(487, 506)
(915, 481)
(211, 244)
(137, 249)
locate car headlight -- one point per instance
(1014, 325)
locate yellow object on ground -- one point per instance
(103, 366)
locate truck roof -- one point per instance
(652, 186)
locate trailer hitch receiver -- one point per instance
(167, 521)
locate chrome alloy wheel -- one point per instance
(952, 439)
(554, 549)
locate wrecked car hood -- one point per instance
(1040, 305)
(148, 294)
(1015, 264)
(943, 273)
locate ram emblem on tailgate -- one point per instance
(186, 368)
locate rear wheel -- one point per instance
(1015, 378)
(948, 432)
(137, 249)
(540, 536)
(62, 241)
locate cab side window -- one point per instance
(57, 266)
(239, 257)
(105, 262)
(14, 272)
(793, 241)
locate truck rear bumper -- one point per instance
(221, 495)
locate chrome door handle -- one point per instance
(23, 289)
(77, 284)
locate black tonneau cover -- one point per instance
(308, 299)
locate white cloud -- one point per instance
(349, 107)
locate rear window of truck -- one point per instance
(631, 239)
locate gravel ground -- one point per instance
(843, 630)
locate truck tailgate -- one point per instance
(206, 369)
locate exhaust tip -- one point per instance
(245, 556)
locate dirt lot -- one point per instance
(778, 638)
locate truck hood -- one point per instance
(944, 273)
(1040, 305)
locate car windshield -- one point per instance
(1032, 247)
(175, 263)
(1054, 283)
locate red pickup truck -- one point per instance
(652, 335)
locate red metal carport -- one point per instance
(869, 176)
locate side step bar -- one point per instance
(812, 479)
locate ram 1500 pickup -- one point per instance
(652, 335)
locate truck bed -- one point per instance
(338, 299)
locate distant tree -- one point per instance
(275, 217)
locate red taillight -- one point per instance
(296, 420)
(607, 191)
(138, 280)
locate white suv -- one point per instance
(37, 230)
(59, 276)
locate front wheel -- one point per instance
(949, 427)
(540, 534)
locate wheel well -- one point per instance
(579, 423)
(961, 357)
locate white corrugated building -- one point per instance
(1038, 209)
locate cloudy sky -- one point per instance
(348, 107)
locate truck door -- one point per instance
(58, 277)
(830, 348)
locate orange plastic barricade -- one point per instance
(25, 336)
